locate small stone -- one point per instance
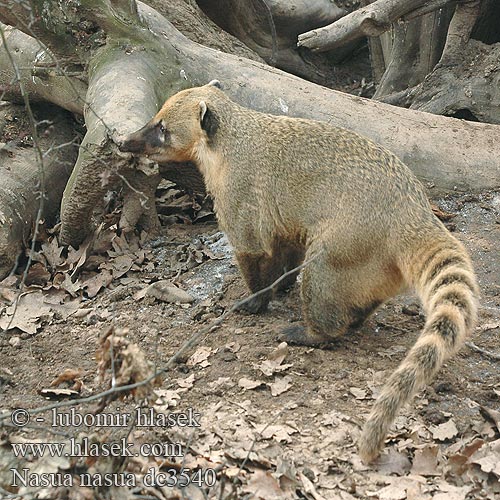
(164, 290)
(410, 310)
(15, 341)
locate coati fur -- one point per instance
(286, 189)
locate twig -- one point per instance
(489, 354)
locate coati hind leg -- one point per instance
(336, 298)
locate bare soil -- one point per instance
(307, 449)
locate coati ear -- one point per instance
(215, 83)
(208, 120)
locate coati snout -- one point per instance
(148, 140)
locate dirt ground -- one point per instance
(274, 425)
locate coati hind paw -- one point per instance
(297, 335)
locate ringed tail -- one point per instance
(444, 279)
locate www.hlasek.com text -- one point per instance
(85, 447)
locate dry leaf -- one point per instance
(52, 253)
(309, 487)
(489, 463)
(31, 308)
(488, 458)
(358, 393)
(248, 384)
(68, 375)
(444, 431)
(395, 491)
(426, 461)
(59, 393)
(124, 363)
(93, 285)
(263, 485)
(280, 433)
(440, 214)
(120, 265)
(164, 290)
(37, 275)
(393, 463)
(451, 492)
(81, 313)
(233, 347)
(76, 258)
(273, 362)
(200, 357)
(494, 415)
(166, 399)
(186, 383)
(281, 385)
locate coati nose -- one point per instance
(131, 145)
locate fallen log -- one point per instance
(371, 20)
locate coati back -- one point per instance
(286, 189)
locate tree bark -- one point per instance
(20, 189)
(416, 48)
(270, 28)
(466, 81)
(42, 80)
(371, 20)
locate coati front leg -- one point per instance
(291, 256)
(259, 271)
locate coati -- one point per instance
(286, 189)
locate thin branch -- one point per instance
(486, 353)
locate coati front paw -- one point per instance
(297, 335)
(255, 305)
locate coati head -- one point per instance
(182, 124)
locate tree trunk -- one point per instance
(415, 49)
(466, 81)
(271, 27)
(20, 169)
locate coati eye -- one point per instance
(162, 128)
